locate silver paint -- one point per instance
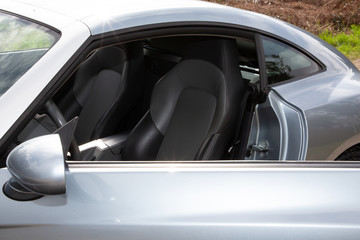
(293, 129)
(330, 101)
(38, 165)
(191, 201)
(282, 127)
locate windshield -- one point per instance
(22, 44)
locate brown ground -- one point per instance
(312, 15)
(357, 63)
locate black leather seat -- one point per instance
(106, 88)
(194, 107)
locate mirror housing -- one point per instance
(37, 167)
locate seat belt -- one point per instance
(238, 147)
(240, 120)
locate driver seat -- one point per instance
(194, 108)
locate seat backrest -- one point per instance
(193, 109)
(107, 86)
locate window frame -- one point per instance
(159, 30)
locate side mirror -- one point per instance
(37, 167)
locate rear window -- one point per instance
(22, 44)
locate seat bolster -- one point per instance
(144, 141)
(213, 148)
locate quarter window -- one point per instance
(284, 62)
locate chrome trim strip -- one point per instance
(133, 166)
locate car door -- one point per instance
(49, 199)
(229, 200)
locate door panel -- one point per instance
(191, 201)
(279, 129)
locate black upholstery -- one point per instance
(193, 109)
(106, 88)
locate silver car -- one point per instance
(173, 120)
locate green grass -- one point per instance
(348, 44)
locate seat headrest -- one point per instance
(110, 58)
(218, 51)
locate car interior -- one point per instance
(187, 97)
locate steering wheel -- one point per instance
(59, 120)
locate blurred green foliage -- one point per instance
(347, 43)
(19, 35)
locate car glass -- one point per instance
(284, 62)
(248, 62)
(22, 44)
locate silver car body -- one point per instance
(325, 100)
(192, 201)
(208, 200)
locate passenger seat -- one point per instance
(107, 87)
(194, 108)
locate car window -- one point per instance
(284, 62)
(22, 44)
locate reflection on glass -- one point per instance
(284, 62)
(22, 44)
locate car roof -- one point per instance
(82, 9)
(111, 15)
